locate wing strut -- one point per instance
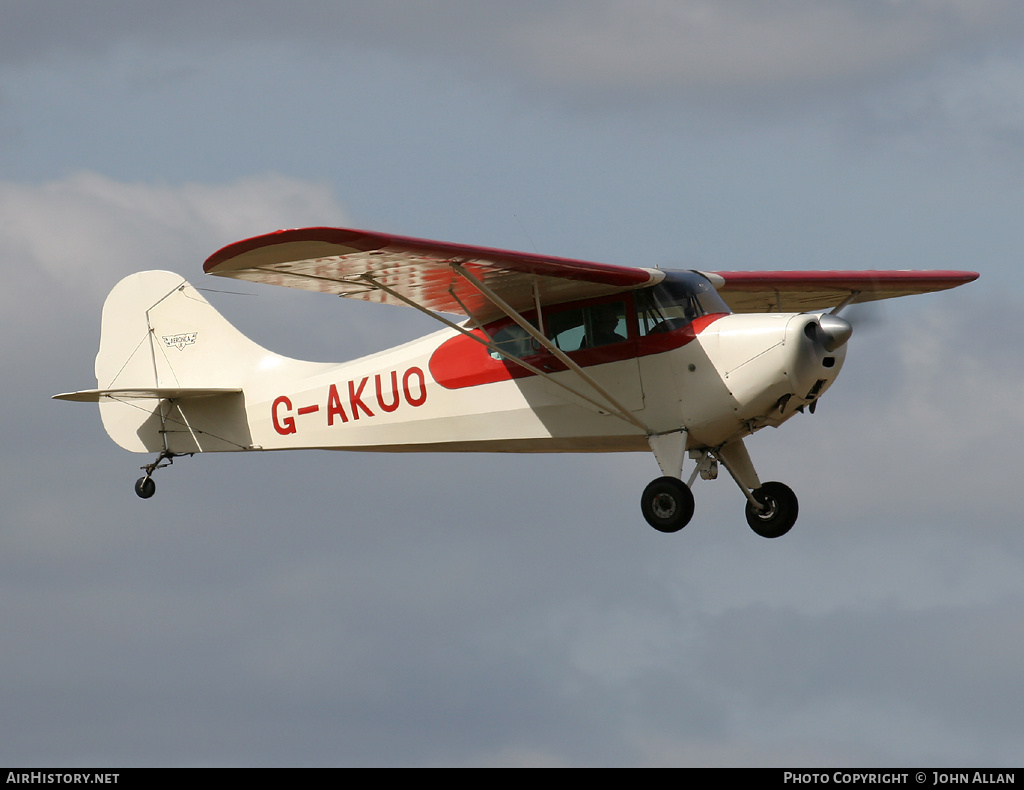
(618, 411)
(848, 300)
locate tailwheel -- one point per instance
(667, 504)
(144, 486)
(778, 512)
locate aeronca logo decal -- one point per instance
(180, 340)
(354, 400)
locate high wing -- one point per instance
(378, 267)
(438, 276)
(799, 292)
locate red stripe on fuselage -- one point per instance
(463, 362)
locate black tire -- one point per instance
(145, 487)
(781, 513)
(667, 504)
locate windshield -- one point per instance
(676, 301)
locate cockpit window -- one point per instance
(589, 327)
(570, 329)
(514, 341)
(676, 301)
(671, 304)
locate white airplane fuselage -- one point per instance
(739, 373)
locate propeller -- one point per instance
(865, 315)
(832, 332)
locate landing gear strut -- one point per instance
(144, 486)
(667, 503)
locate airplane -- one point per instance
(536, 354)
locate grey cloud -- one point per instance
(86, 231)
(750, 45)
(607, 45)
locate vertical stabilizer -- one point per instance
(159, 333)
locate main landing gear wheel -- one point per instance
(145, 487)
(779, 513)
(667, 504)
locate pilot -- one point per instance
(603, 323)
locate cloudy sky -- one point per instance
(334, 609)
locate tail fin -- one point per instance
(170, 369)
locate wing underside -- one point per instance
(446, 278)
(798, 292)
(393, 270)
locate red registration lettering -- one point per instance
(388, 407)
(413, 392)
(286, 425)
(355, 398)
(334, 407)
(420, 399)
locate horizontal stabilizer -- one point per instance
(152, 393)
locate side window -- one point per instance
(675, 302)
(606, 324)
(566, 329)
(513, 339)
(665, 314)
(589, 327)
